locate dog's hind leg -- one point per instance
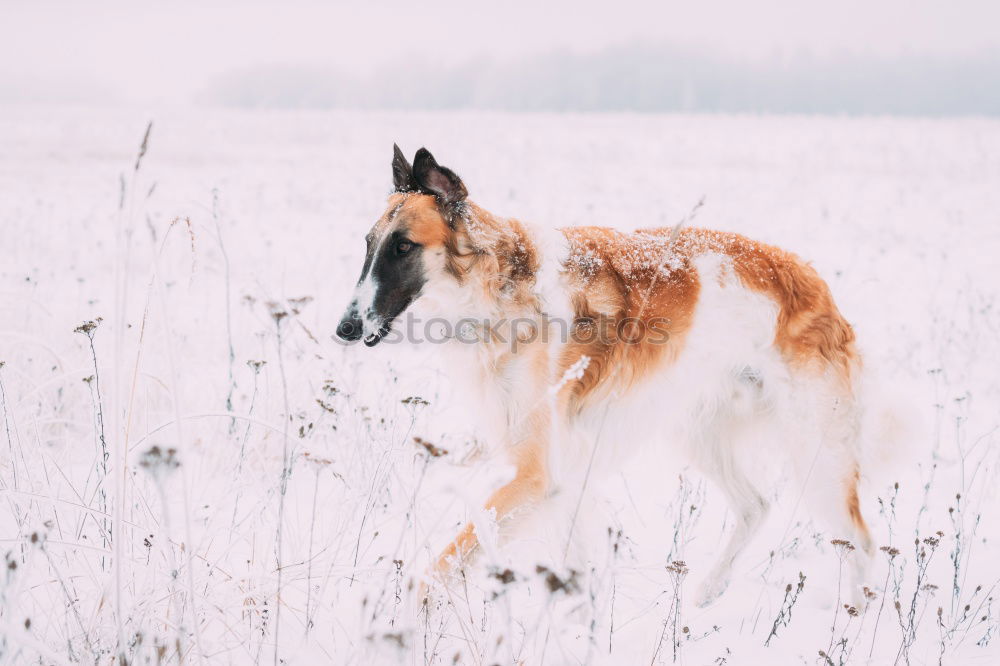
(717, 459)
(828, 472)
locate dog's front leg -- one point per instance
(526, 489)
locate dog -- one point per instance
(590, 340)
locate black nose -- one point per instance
(349, 328)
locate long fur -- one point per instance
(747, 336)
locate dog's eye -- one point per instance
(403, 246)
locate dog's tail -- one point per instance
(892, 428)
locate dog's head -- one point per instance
(408, 246)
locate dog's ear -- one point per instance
(402, 172)
(435, 179)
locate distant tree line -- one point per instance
(640, 78)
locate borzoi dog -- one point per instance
(687, 337)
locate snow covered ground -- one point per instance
(144, 503)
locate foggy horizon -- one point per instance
(905, 58)
(638, 78)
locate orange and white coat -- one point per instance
(747, 336)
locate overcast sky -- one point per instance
(169, 52)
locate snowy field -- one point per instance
(203, 475)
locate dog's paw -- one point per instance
(709, 590)
(433, 591)
(431, 597)
(855, 596)
(423, 593)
